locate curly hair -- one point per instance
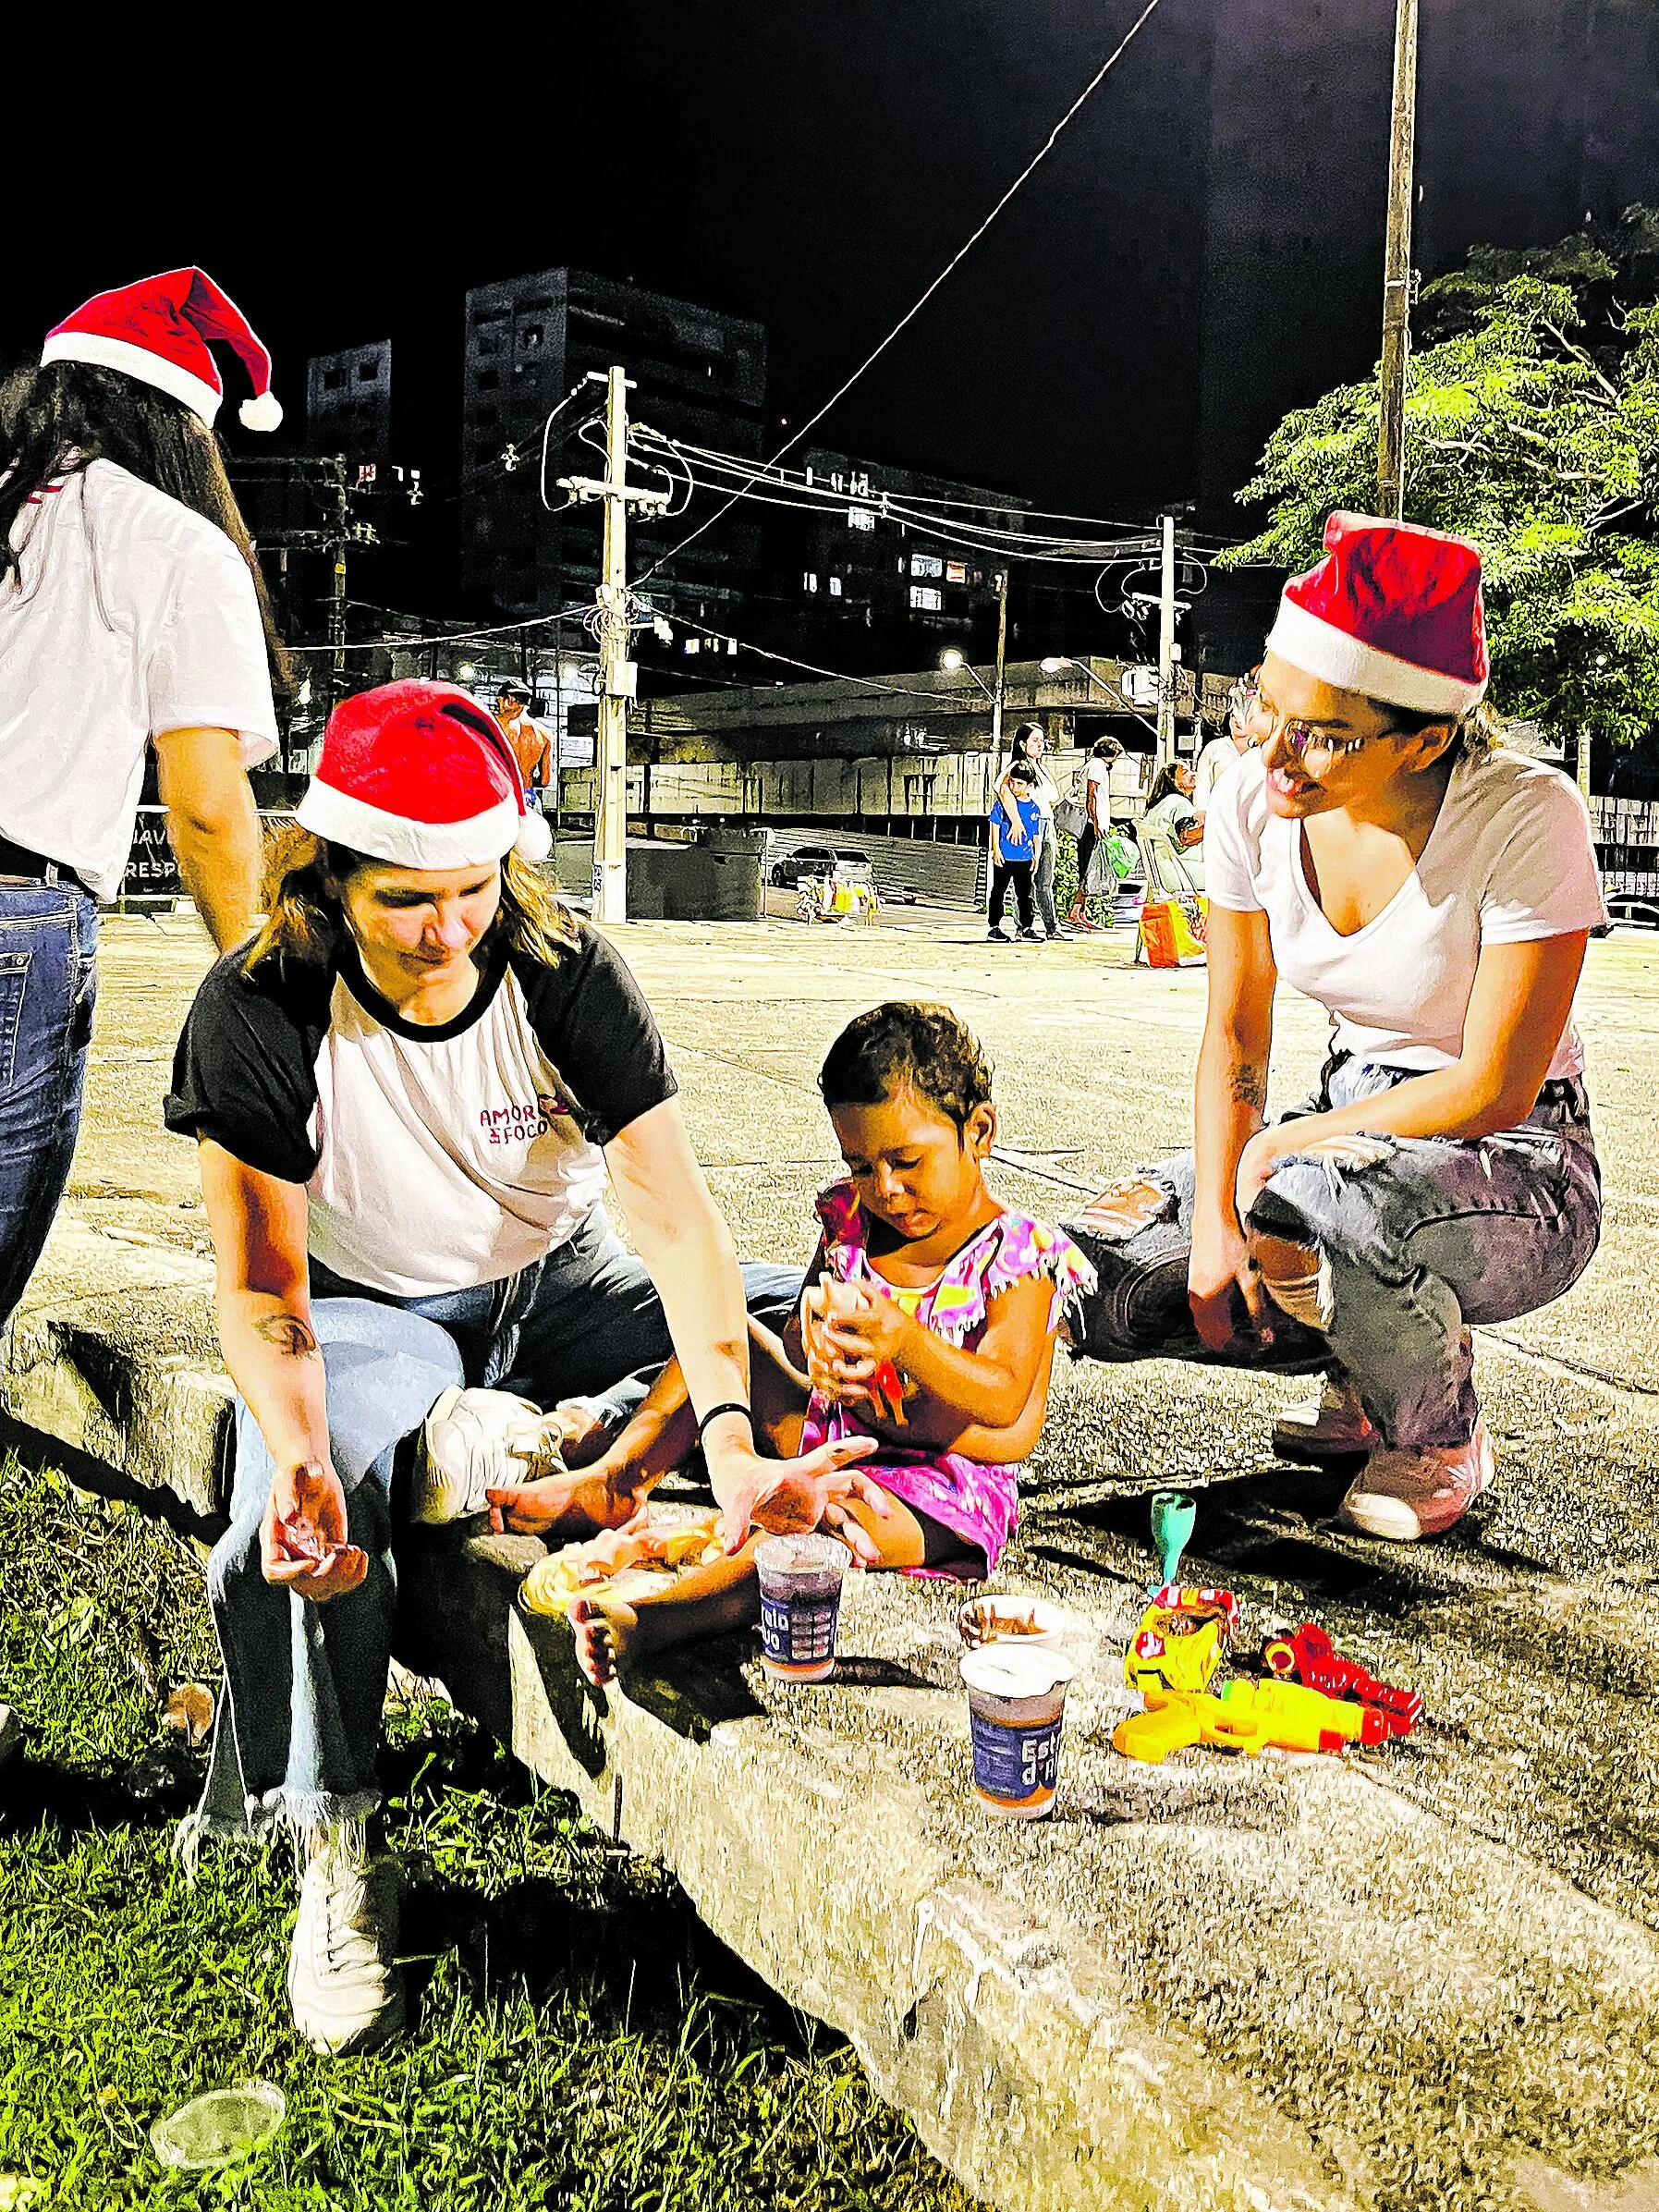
(904, 1045)
(304, 920)
(55, 421)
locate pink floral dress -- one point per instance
(976, 1502)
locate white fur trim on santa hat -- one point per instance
(102, 352)
(371, 830)
(1319, 648)
(263, 413)
(534, 841)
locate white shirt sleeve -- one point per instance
(208, 669)
(1544, 881)
(1232, 850)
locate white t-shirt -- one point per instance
(1099, 773)
(132, 616)
(432, 1158)
(1217, 757)
(1509, 861)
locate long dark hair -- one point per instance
(56, 420)
(1165, 783)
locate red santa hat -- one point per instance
(418, 775)
(1393, 611)
(158, 331)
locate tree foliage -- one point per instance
(1533, 427)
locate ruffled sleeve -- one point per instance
(1014, 1248)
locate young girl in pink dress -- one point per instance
(929, 1327)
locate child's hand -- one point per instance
(877, 1330)
(832, 1374)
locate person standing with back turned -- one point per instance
(131, 616)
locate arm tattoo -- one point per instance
(287, 1333)
(1247, 1085)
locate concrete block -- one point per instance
(112, 1352)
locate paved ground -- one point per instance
(1471, 1917)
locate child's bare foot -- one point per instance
(605, 1628)
(562, 1505)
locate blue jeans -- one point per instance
(1416, 1238)
(48, 984)
(299, 1723)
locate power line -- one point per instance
(909, 315)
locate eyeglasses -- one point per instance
(1311, 746)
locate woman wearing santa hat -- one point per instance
(408, 1096)
(131, 616)
(1434, 892)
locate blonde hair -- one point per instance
(304, 920)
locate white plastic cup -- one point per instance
(800, 1602)
(1016, 1715)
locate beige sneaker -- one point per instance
(344, 1983)
(1337, 1429)
(479, 1440)
(1405, 1495)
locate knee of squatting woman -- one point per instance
(409, 1094)
(919, 1268)
(1434, 892)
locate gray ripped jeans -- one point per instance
(1409, 1241)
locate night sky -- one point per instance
(811, 162)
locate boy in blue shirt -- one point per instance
(1013, 849)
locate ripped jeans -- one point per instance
(298, 1728)
(1403, 1246)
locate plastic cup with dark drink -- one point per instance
(800, 1598)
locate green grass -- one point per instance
(580, 2039)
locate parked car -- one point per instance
(1637, 912)
(846, 860)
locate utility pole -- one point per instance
(337, 603)
(1002, 662)
(1397, 273)
(618, 674)
(1167, 653)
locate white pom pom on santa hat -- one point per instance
(263, 413)
(534, 841)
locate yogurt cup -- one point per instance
(1015, 1714)
(800, 1602)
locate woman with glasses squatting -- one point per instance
(1378, 850)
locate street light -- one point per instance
(953, 663)
(465, 673)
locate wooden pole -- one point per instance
(1396, 275)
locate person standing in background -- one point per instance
(1016, 827)
(532, 745)
(1220, 753)
(131, 615)
(1030, 746)
(1096, 799)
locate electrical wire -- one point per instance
(960, 255)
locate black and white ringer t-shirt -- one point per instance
(432, 1158)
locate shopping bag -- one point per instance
(1172, 932)
(1071, 817)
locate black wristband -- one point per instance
(713, 1414)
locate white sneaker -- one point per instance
(1337, 1429)
(344, 1983)
(1405, 1495)
(479, 1440)
(11, 1735)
